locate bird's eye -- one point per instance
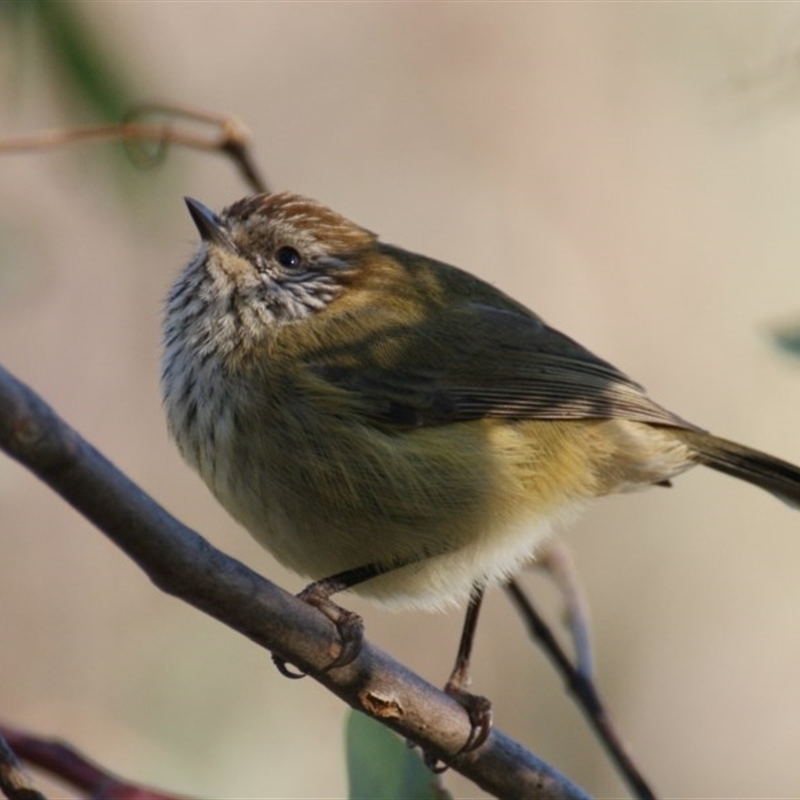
(288, 257)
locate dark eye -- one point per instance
(288, 257)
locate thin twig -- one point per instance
(183, 564)
(231, 137)
(583, 690)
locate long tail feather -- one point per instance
(776, 476)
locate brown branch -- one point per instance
(584, 691)
(183, 564)
(231, 137)
(67, 764)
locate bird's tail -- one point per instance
(776, 476)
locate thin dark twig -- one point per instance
(74, 768)
(230, 137)
(183, 564)
(583, 690)
(14, 782)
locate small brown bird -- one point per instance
(387, 423)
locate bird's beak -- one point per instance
(210, 227)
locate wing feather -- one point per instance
(503, 363)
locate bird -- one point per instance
(386, 423)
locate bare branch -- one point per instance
(584, 691)
(231, 137)
(183, 564)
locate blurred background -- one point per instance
(630, 171)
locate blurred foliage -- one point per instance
(380, 766)
(788, 338)
(58, 44)
(75, 53)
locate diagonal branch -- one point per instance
(183, 564)
(583, 690)
(72, 767)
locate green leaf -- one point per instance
(382, 767)
(788, 338)
(77, 55)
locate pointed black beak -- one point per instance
(210, 227)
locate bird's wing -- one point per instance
(477, 360)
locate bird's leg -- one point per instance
(351, 631)
(349, 625)
(479, 709)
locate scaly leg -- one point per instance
(349, 625)
(478, 708)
